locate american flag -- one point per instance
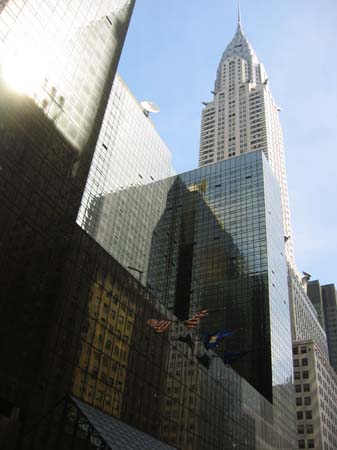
(159, 326)
(193, 321)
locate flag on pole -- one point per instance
(213, 340)
(159, 326)
(193, 321)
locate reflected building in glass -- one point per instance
(117, 381)
(219, 245)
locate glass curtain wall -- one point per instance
(57, 64)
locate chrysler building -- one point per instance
(243, 117)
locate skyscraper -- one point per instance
(243, 117)
(219, 244)
(57, 64)
(129, 154)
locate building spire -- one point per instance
(239, 16)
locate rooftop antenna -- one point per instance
(239, 16)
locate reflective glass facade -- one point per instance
(220, 245)
(57, 64)
(101, 350)
(63, 54)
(217, 242)
(129, 152)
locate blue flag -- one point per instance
(213, 340)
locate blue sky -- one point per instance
(171, 55)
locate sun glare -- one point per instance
(24, 69)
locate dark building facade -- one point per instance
(220, 245)
(314, 291)
(329, 294)
(101, 363)
(324, 299)
(56, 70)
(217, 243)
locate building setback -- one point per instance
(304, 317)
(316, 397)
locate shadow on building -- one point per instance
(195, 264)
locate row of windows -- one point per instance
(300, 401)
(305, 386)
(301, 429)
(304, 414)
(302, 442)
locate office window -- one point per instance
(311, 443)
(298, 401)
(310, 428)
(301, 443)
(298, 388)
(308, 415)
(305, 374)
(304, 361)
(307, 400)
(306, 387)
(299, 415)
(300, 429)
